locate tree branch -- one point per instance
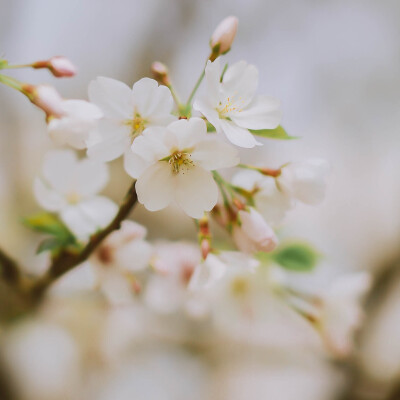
(10, 271)
(67, 260)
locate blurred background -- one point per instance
(335, 66)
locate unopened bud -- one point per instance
(223, 36)
(160, 72)
(45, 97)
(59, 66)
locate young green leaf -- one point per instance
(277, 133)
(300, 257)
(46, 223)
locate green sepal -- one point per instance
(277, 133)
(296, 256)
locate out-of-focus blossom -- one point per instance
(271, 202)
(46, 98)
(127, 113)
(160, 72)
(69, 187)
(74, 124)
(305, 180)
(59, 66)
(174, 264)
(119, 258)
(43, 360)
(175, 163)
(341, 313)
(224, 34)
(232, 105)
(252, 234)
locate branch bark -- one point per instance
(10, 270)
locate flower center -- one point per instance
(137, 126)
(227, 107)
(73, 198)
(180, 161)
(240, 286)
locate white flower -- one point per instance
(341, 312)
(211, 270)
(271, 202)
(68, 186)
(120, 256)
(232, 106)
(252, 233)
(174, 263)
(224, 34)
(127, 113)
(175, 163)
(77, 118)
(304, 181)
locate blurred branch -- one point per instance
(67, 260)
(10, 271)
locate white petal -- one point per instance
(150, 145)
(187, 132)
(212, 75)
(112, 96)
(109, 141)
(196, 191)
(207, 273)
(155, 187)
(57, 168)
(239, 136)
(262, 113)
(208, 111)
(88, 216)
(48, 198)
(82, 109)
(214, 154)
(134, 164)
(247, 179)
(133, 256)
(240, 82)
(90, 177)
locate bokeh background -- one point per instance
(335, 66)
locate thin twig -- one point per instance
(10, 270)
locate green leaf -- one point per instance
(47, 223)
(52, 244)
(300, 257)
(277, 133)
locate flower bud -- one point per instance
(45, 97)
(59, 66)
(223, 36)
(253, 234)
(160, 72)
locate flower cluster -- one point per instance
(188, 154)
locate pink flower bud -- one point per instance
(160, 72)
(254, 234)
(59, 66)
(224, 34)
(45, 97)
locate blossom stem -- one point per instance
(67, 260)
(175, 96)
(274, 173)
(201, 77)
(11, 82)
(7, 66)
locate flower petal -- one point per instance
(208, 111)
(150, 145)
(187, 132)
(48, 198)
(112, 96)
(212, 75)
(90, 177)
(239, 136)
(196, 191)
(134, 256)
(134, 164)
(262, 113)
(155, 187)
(214, 154)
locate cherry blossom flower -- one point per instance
(341, 313)
(252, 234)
(175, 163)
(72, 126)
(232, 105)
(305, 180)
(127, 113)
(269, 200)
(69, 187)
(124, 253)
(59, 66)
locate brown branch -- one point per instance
(10, 271)
(67, 260)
